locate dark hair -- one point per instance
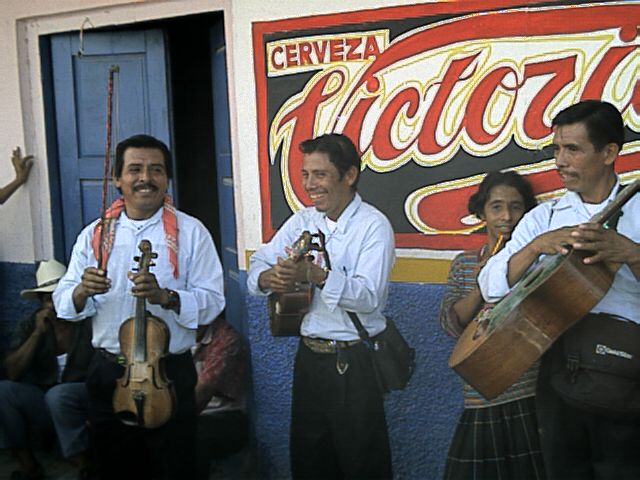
(601, 119)
(478, 200)
(141, 141)
(340, 150)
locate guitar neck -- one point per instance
(623, 197)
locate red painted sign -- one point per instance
(434, 96)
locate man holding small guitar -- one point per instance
(338, 426)
(183, 289)
(581, 441)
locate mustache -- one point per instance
(142, 186)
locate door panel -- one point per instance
(228, 247)
(140, 105)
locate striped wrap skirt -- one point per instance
(500, 442)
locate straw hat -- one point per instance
(47, 276)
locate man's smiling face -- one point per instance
(143, 182)
(328, 192)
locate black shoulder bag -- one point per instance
(392, 357)
(596, 365)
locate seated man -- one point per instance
(46, 365)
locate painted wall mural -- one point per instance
(434, 96)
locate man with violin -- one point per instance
(338, 426)
(182, 288)
(588, 395)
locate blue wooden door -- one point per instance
(228, 246)
(140, 105)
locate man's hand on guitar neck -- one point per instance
(549, 243)
(282, 277)
(609, 247)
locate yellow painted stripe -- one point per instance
(420, 270)
(411, 270)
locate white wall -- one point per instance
(26, 233)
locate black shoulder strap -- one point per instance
(551, 212)
(362, 332)
(612, 223)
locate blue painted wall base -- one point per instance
(421, 418)
(14, 277)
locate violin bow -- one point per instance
(102, 262)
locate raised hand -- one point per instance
(21, 165)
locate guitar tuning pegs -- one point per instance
(135, 269)
(151, 264)
(154, 255)
(136, 258)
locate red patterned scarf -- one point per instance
(169, 221)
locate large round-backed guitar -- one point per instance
(499, 345)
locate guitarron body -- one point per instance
(499, 345)
(494, 351)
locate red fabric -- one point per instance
(220, 362)
(169, 222)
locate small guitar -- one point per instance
(286, 310)
(503, 342)
(144, 397)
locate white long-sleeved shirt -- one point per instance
(622, 299)
(361, 252)
(199, 284)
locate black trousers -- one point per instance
(338, 426)
(581, 445)
(128, 452)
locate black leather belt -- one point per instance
(321, 345)
(121, 359)
(112, 357)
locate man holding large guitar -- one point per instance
(180, 278)
(580, 440)
(338, 426)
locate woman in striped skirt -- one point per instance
(495, 439)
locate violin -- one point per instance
(144, 397)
